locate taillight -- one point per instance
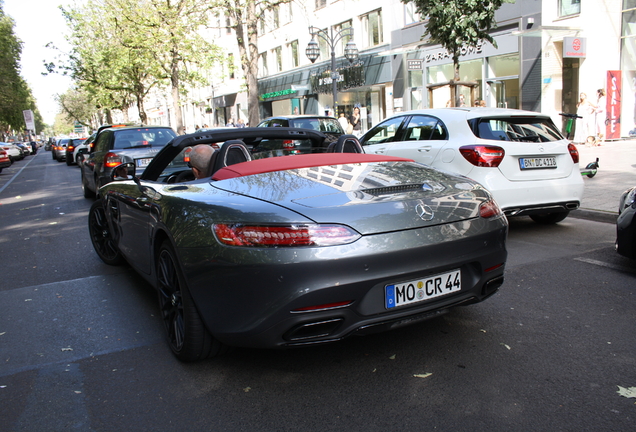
(288, 144)
(288, 235)
(489, 209)
(574, 153)
(70, 148)
(111, 160)
(186, 154)
(483, 155)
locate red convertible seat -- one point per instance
(283, 163)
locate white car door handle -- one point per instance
(425, 149)
(380, 150)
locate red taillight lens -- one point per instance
(186, 154)
(288, 144)
(489, 209)
(573, 152)
(289, 235)
(324, 306)
(111, 160)
(70, 148)
(483, 155)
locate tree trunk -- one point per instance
(176, 102)
(248, 49)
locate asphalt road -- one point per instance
(81, 344)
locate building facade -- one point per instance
(547, 53)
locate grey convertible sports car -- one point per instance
(299, 249)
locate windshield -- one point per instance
(143, 137)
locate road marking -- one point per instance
(17, 174)
(605, 264)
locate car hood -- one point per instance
(369, 197)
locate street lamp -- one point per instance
(332, 38)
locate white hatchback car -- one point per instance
(519, 156)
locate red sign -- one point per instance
(613, 106)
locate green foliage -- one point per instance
(457, 24)
(15, 94)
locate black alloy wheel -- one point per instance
(188, 338)
(101, 236)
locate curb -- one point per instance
(594, 215)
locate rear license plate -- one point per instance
(142, 163)
(419, 290)
(540, 162)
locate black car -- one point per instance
(626, 224)
(118, 144)
(329, 126)
(70, 149)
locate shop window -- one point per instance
(569, 7)
(629, 23)
(416, 78)
(372, 29)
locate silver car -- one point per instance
(297, 250)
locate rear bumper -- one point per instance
(537, 196)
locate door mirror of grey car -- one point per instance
(125, 171)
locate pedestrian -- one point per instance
(343, 121)
(231, 123)
(599, 112)
(240, 123)
(585, 124)
(355, 125)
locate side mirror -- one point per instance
(125, 171)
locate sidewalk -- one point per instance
(616, 173)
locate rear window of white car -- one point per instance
(517, 129)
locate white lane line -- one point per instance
(17, 174)
(607, 265)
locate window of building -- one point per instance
(294, 58)
(230, 65)
(263, 65)
(276, 17)
(278, 55)
(325, 52)
(569, 7)
(345, 40)
(372, 29)
(228, 25)
(321, 4)
(410, 16)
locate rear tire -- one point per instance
(549, 218)
(101, 236)
(69, 161)
(188, 337)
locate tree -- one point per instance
(169, 32)
(245, 15)
(457, 25)
(15, 94)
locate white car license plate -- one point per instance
(406, 293)
(142, 163)
(540, 162)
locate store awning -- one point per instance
(555, 32)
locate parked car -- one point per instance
(519, 156)
(626, 224)
(13, 151)
(5, 162)
(59, 151)
(82, 149)
(328, 125)
(24, 148)
(70, 149)
(114, 145)
(297, 250)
